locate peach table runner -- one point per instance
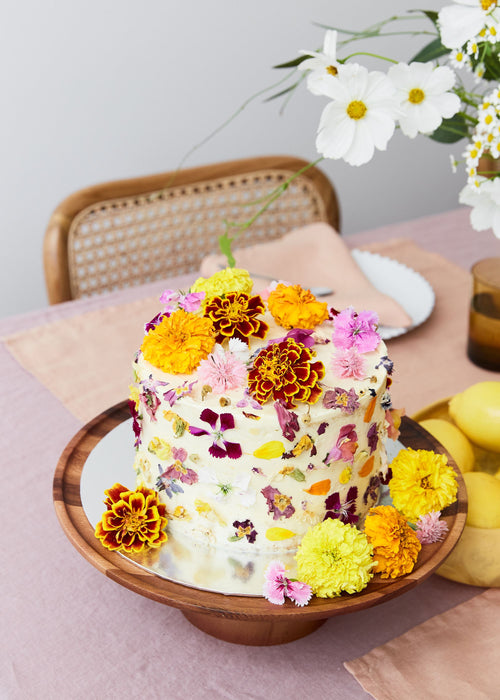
(463, 640)
(85, 360)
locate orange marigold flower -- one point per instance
(284, 372)
(395, 544)
(133, 519)
(234, 315)
(295, 307)
(179, 342)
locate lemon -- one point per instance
(476, 411)
(483, 492)
(452, 440)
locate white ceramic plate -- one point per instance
(407, 287)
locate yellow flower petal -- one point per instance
(276, 534)
(270, 450)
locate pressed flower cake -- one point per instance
(275, 427)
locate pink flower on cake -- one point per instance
(176, 393)
(177, 470)
(372, 436)
(349, 364)
(222, 371)
(224, 421)
(288, 421)
(277, 586)
(148, 397)
(430, 528)
(278, 504)
(359, 330)
(346, 445)
(347, 401)
(173, 300)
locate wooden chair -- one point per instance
(129, 232)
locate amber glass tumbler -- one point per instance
(484, 317)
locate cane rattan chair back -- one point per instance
(130, 232)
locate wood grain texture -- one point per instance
(210, 611)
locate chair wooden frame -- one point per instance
(125, 193)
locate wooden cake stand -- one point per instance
(238, 619)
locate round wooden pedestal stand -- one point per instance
(237, 619)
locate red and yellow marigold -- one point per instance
(284, 371)
(134, 520)
(235, 315)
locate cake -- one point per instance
(255, 419)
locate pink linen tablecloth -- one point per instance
(68, 631)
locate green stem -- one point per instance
(231, 118)
(367, 53)
(226, 241)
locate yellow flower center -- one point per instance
(271, 369)
(331, 70)
(416, 96)
(242, 531)
(281, 501)
(487, 4)
(235, 312)
(356, 109)
(132, 522)
(459, 57)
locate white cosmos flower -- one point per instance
(463, 21)
(425, 100)
(361, 116)
(485, 203)
(322, 66)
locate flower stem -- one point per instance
(226, 241)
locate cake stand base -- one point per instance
(252, 632)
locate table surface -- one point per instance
(68, 631)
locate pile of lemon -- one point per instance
(473, 440)
(470, 432)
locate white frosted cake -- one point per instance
(255, 420)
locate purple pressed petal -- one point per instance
(209, 416)
(233, 449)
(197, 431)
(226, 421)
(216, 451)
(301, 335)
(333, 501)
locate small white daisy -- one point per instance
(425, 98)
(361, 116)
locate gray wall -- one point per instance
(107, 89)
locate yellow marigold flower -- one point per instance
(422, 481)
(179, 342)
(395, 544)
(231, 279)
(334, 557)
(133, 519)
(295, 307)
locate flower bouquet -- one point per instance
(449, 92)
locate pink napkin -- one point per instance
(452, 655)
(314, 255)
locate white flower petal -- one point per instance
(459, 24)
